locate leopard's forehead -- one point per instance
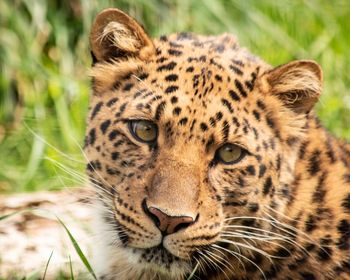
(198, 84)
(211, 55)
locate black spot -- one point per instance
(218, 78)
(121, 109)
(310, 224)
(344, 231)
(270, 122)
(193, 124)
(314, 162)
(184, 35)
(128, 86)
(190, 69)
(93, 165)
(218, 116)
(167, 67)
(236, 122)
(237, 62)
(236, 70)
(285, 190)
(241, 182)
(238, 203)
(262, 170)
(126, 76)
(175, 45)
(282, 253)
(310, 247)
(253, 207)
(267, 185)
(256, 115)
(210, 142)
(250, 170)
(261, 104)
(112, 101)
(168, 129)
(324, 253)
(347, 178)
(320, 192)
(346, 203)
(112, 135)
(227, 104)
(220, 48)
(272, 273)
(171, 89)
(302, 149)
(173, 100)
(240, 88)
(307, 276)
(116, 85)
(204, 127)
(212, 122)
(171, 78)
(225, 130)
(291, 140)
(115, 155)
(177, 111)
(92, 136)
(234, 95)
(118, 143)
(174, 52)
(161, 59)
(256, 134)
(96, 109)
(183, 121)
(143, 76)
(159, 110)
(104, 126)
(330, 151)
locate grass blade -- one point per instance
(71, 268)
(78, 250)
(47, 264)
(9, 215)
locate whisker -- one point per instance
(268, 256)
(245, 258)
(218, 250)
(36, 135)
(221, 261)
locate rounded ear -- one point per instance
(114, 34)
(297, 84)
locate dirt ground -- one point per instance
(28, 237)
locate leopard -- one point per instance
(209, 163)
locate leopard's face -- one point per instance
(187, 150)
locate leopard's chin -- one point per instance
(162, 260)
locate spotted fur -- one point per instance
(282, 212)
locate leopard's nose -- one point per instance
(167, 224)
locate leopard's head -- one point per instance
(191, 143)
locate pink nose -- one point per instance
(168, 224)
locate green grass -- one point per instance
(44, 57)
(61, 274)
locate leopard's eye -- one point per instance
(143, 130)
(230, 153)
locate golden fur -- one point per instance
(280, 212)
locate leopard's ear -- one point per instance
(297, 84)
(116, 35)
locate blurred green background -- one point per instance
(44, 60)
